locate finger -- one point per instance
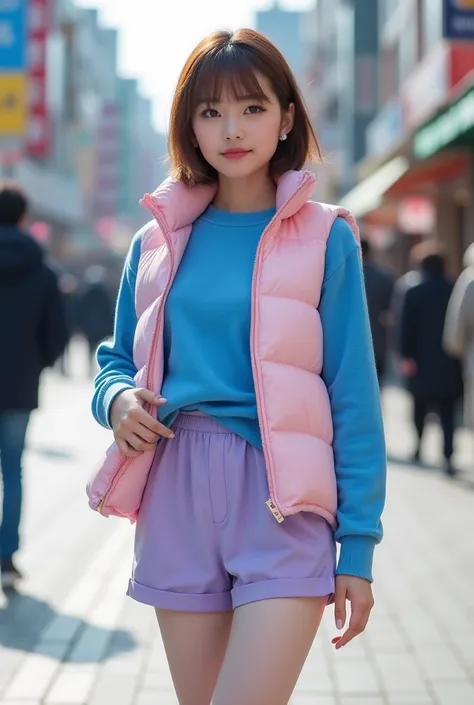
(142, 418)
(357, 624)
(126, 449)
(139, 444)
(146, 434)
(340, 607)
(150, 397)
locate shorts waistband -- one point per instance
(197, 421)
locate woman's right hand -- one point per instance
(135, 430)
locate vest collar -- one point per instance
(178, 206)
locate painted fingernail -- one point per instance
(339, 624)
(171, 435)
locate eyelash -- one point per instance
(208, 110)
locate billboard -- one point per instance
(458, 19)
(13, 69)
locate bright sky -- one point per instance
(154, 42)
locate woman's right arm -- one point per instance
(115, 358)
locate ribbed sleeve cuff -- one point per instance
(356, 557)
(107, 395)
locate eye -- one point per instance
(210, 113)
(254, 109)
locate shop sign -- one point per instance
(458, 19)
(416, 214)
(446, 128)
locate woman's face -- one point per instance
(238, 137)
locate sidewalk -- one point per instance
(72, 637)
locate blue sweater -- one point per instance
(208, 365)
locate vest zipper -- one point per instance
(147, 201)
(272, 504)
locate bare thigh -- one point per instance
(268, 645)
(195, 644)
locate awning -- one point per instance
(368, 195)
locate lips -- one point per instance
(235, 153)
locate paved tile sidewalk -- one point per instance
(71, 637)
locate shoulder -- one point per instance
(324, 220)
(341, 245)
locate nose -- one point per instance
(233, 129)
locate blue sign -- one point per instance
(458, 19)
(13, 35)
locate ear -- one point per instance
(287, 119)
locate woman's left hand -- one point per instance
(359, 593)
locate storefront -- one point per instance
(429, 159)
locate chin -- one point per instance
(238, 169)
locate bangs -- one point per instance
(231, 72)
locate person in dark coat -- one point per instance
(379, 290)
(34, 334)
(95, 311)
(434, 378)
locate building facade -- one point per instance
(78, 133)
(416, 178)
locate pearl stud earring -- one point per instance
(283, 137)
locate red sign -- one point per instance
(39, 132)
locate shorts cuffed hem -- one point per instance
(180, 601)
(283, 587)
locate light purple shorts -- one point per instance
(205, 540)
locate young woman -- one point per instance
(241, 390)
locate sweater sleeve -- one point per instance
(115, 358)
(350, 376)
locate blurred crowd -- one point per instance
(41, 309)
(423, 333)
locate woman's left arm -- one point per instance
(350, 377)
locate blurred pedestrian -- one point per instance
(94, 311)
(459, 331)
(262, 456)
(379, 285)
(68, 286)
(434, 378)
(34, 335)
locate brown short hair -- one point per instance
(235, 57)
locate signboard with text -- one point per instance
(13, 35)
(13, 76)
(458, 19)
(39, 133)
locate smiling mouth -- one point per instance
(236, 153)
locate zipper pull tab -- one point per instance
(275, 511)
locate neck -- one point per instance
(250, 194)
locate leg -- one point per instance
(420, 410)
(446, 414)
(195, 645)
(269, 643)
(13, 426)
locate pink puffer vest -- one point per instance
(286, 345)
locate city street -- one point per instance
(71, 636)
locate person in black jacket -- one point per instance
(433, 377)
(34, 335)
(95, 311)
(379, 285)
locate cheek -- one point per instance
(268, 131)
(204, 135)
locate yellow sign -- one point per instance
(13, 104)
